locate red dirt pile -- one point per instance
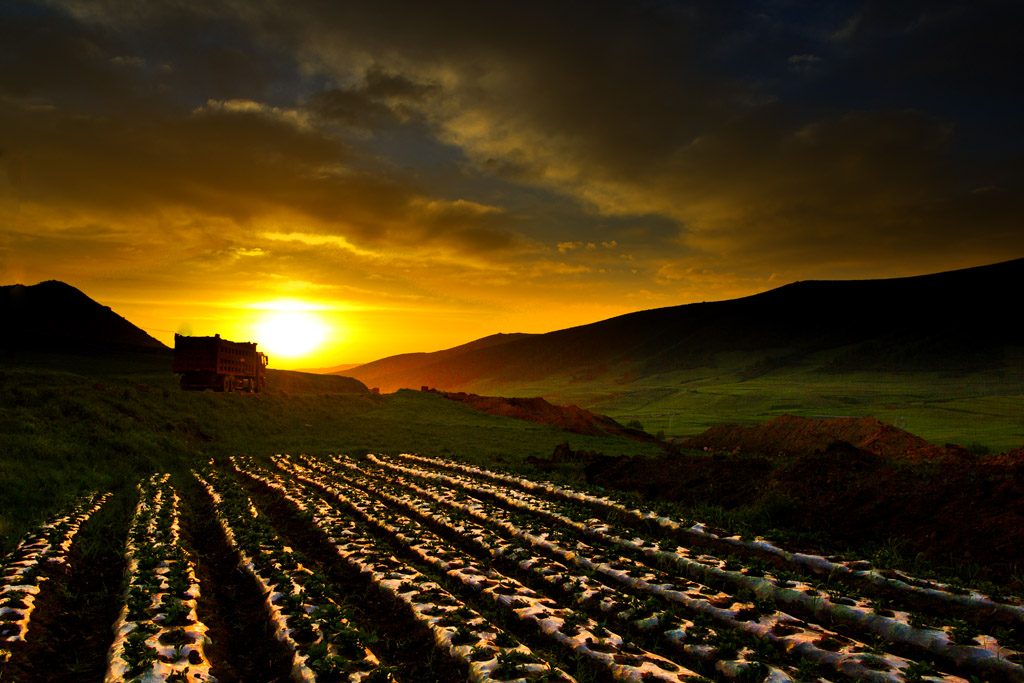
(792, 435)
(1014, 458)
(567, 418)
(855, 480)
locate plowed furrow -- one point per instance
(70, 628)
(905, 631)
(243, 646)
(398, 641)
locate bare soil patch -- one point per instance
(794, 435)
(858, 481)
(231, 604)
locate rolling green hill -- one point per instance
(396, 372)
(939, 354)
(955, 321)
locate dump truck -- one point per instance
(219, 364)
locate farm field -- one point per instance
(412, 568)
(71, 426)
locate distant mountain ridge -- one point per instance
(54, 316)
(955, 320)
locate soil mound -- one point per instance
(567, 418)
(855, 480)
(1014, 458)
(802, 436)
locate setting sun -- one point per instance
(291, 333)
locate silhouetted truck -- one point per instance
(219, 364)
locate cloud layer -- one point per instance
(513, 164)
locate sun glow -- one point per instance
(291, 333)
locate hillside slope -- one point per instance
(958, 320)
(54, 316)
(393, 373)
(567, 418)
(296, 382)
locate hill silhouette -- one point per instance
(298, 382)
(958, 321)
(54, 316)
(394, 372)
(59, 323)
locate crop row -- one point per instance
(325, 646)
(490, 653)
(158, 635)
(483, 561)
(731, 614)
(580, 635)
(856, 569)
(957, 642)
(732, 659)
(21, 573)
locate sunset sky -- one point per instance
(361, 179)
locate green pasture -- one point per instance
(976, 408)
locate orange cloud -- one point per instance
(500, 165)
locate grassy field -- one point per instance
(976, 408)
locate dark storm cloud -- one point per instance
(955, 59)
(383, 101)
(230, 160)
(612, 102)
(94, 60)
(48, 56)
(763, 134)
(617, 77)
(108, 122)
